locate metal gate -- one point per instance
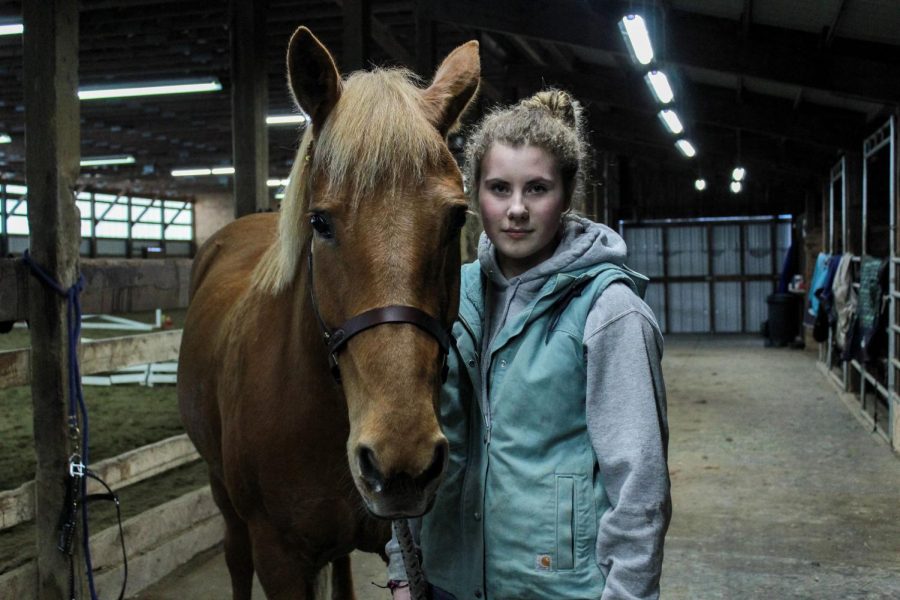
(709, 275)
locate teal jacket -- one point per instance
(521, 455)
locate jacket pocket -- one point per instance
(565, 522)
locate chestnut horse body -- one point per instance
(301, 466)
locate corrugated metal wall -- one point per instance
(735, 275)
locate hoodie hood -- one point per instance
(584, 244)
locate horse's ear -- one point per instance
(455, 85)
(312, 76)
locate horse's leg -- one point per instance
(238, 552)
(342, 579)
(283, 575)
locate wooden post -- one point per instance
(51, 156)
(249, 104)
(425, 58)
(357, 33)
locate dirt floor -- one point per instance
(778, 491)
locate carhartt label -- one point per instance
(543, 562)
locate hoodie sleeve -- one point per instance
(626, 416)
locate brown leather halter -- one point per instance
(336, 339)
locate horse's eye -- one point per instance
(459, 217)
(322, 225)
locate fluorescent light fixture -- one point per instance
(659, 83)
(5, 139)
(276, 182)
(279, 196)
(670, 119)
(118, 159)
(700, 184)
(202, 172)
(285, 119)
(738, 174)
(191, 172)
(11, 28)
(150, 89)
(635, 31)
(736, 187)
(686, 148)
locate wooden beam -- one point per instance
(50, 51)
(249, 104)
(17, 506)
(776, 118)
(357, 33)
(112, 285)
(425, 44)
(776, 54)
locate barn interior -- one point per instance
(768, 152)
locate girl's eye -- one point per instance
(322, 225)
(538, 188)
(499, 188)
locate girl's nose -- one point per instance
(517, 210)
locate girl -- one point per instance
(557, 485)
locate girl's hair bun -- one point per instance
(559, 103)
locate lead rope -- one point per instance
(418, 587)
(76, 481)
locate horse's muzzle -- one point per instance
(400, 495)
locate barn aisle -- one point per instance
(779, 492)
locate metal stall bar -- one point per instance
(885, 136)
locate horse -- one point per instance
(357, 272)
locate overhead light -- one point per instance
(738, 174)
(670, 119)
(634, 29)
(5, 139)
(736, 187)
(191, 172)
(11, 29)
(700, 184)
(686, 148)
(659, 83)
(276, 182)
(118, 159)
(202, 172)
(158, 88)
(285, 119)
(12, 188)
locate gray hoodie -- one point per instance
(625, 405)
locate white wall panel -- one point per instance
(728, 306)
(689, 307)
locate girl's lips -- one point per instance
(516, 234)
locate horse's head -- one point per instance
(384, 205)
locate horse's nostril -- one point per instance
(436, 468)
(368, 468)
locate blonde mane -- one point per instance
(377, 138)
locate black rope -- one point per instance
(79, 431)
(418, 586)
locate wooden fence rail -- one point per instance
(17, 506)
(112, 285)
(98, 356)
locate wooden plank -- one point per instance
(249, 103)
(98, 356)
(158, 541)
(17, 506)
(52, 139)
(357, 33)
(115, 285)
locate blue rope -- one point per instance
(77, 406)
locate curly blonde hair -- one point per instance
(551, 120)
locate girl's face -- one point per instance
(522, 200)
